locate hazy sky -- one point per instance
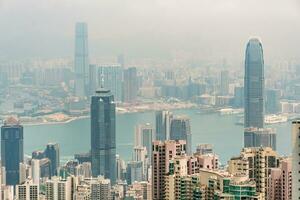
(206, 29)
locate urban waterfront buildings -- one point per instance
(254, 85)
(296, 159)
(12, 153)
(103, 135)
(144, 135)
(81, 62)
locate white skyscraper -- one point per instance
(35, 167)
(296, 159)
(81, 63)
(58, 189)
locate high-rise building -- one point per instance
(163, 152)
(135, 171)
(58, 189)
(224, 83)
(130, 85)
(273, 101)
(27, 191)
(181, 130)
(144, 136)
(260, 137)
(100, 189)
(52, 153)
(238, 97)
(81, 62)
(296, 159)
(12, 153)
(103, 135)
(162, 125)
(260, 162)
(254, 85)
(280, 181)
(35, 171)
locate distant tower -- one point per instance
(130, 85)
(52, 153)
(12, 149)
(103, 135)
(224, 83)
(162, 124)
(254, 85)
(296, 159)
(81, 63)
(181, 130)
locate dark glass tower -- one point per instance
(103, 135)
(254, 85)
(52, 153)
(12, 149)
(181, 130)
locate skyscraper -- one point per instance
(81, 63)
(103, 135)
(260, 137)
(224, 83)
(162, 125)
(130, 84)
(254, 85)
(272, 101)
(296, 159)
(181, 130)
(144, 136)
(12, 149)
(52, 153)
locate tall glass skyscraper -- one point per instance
(254, 85)
(12, 150)
(81, 63)
(103, 135)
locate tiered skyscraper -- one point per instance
(12, 153)
(81, 63)
(254, 85)
(103, 135)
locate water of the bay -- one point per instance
(219, 130)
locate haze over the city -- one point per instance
(158, 29)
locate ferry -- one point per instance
(230, 111)
(274, 119)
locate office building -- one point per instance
(130, 85)
(296, 159)
(144, 135)
(35, 171)
(12, 153)
(135, 172)
(181, 130)
(52, 153)
(103, 135)
(238, 97)
(254, 85)
(81, 62)
(224, 83)
(163, 124)
(260, 137)
(273, 101)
